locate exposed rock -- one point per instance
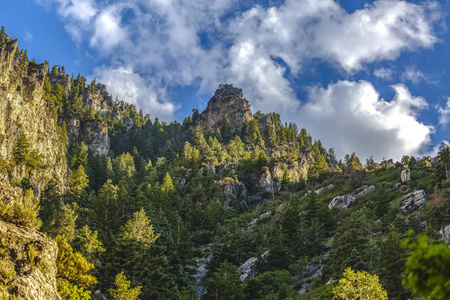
(280, 207)
(247, 269)
(37, 280)
(297, 170)
(406, 175)
(24, 109)
(265, 183)
(235, 190)
(322, 189)
(412, 202)
(93, 132)
(262, 217)
(306, 274)
(345, 201)
(128, 122)
(199, 276)
(227, 100)
(444, 233)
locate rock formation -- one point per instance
(31, 258)
(412, 202)
(23, 109)
(345, 201)
(406, 175)
(227, 100)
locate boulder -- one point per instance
(345, 201)
(322, 189)
(444, 233)
(36, 279)
(412, 202)
(258, 219)
(406, 175)
(247, 269)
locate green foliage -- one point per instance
(123, 290)
(138, 230)
(78, 181)
(24, 211)
(22, 149)
(2, 36)
(359, 285)
(72, 266)
(427, 269)
(267, 283)
(70, 291)
(224, 284)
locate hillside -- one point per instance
(100, 200)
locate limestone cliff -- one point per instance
(23, 109)
(28, 263)
(227, 100)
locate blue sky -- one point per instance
(362, 76)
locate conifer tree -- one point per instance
(123, 290)
(22, 149)
(2, 36)
(78, 181)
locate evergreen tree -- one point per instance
(224, 284)
(226, 130)
(22, 149)
(2, 36)
(78, 181)
(393, 258)
(123, 290)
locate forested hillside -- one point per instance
(102, 201)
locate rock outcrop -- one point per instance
(94, 133)
(235, 190)
(23, 109)
(227, 100)
(31, 258)
(247, 269)
(406, 175)
(345, 201)
(444, 233)
(412, 202)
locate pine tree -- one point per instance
(123, 290)
(22, 149)
(393, 258)
(78, 181)
(226, 130)
(2, 36)
(224, 284)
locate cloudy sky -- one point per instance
(369, 77)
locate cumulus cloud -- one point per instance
(154, 46)
(125, 84)
(352, 117)
(444, 114)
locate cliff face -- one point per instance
(23, 109)
(28, 263)
(227, 100)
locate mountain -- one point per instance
(98, 200)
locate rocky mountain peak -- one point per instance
(227, 101)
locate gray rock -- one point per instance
(444, 233)
(345, 201)
(406, 175)
(258, 219)
(227, 100)
(412, 202)
(200, 275)
(322, 189)
(247, 269)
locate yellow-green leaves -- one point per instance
(122, 290)
(359, 286)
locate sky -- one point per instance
(369, 77)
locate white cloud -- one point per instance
(154, 46)
(383, 73)
(415, 76)
(444, 114)
(352, 117)
(131, 87)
